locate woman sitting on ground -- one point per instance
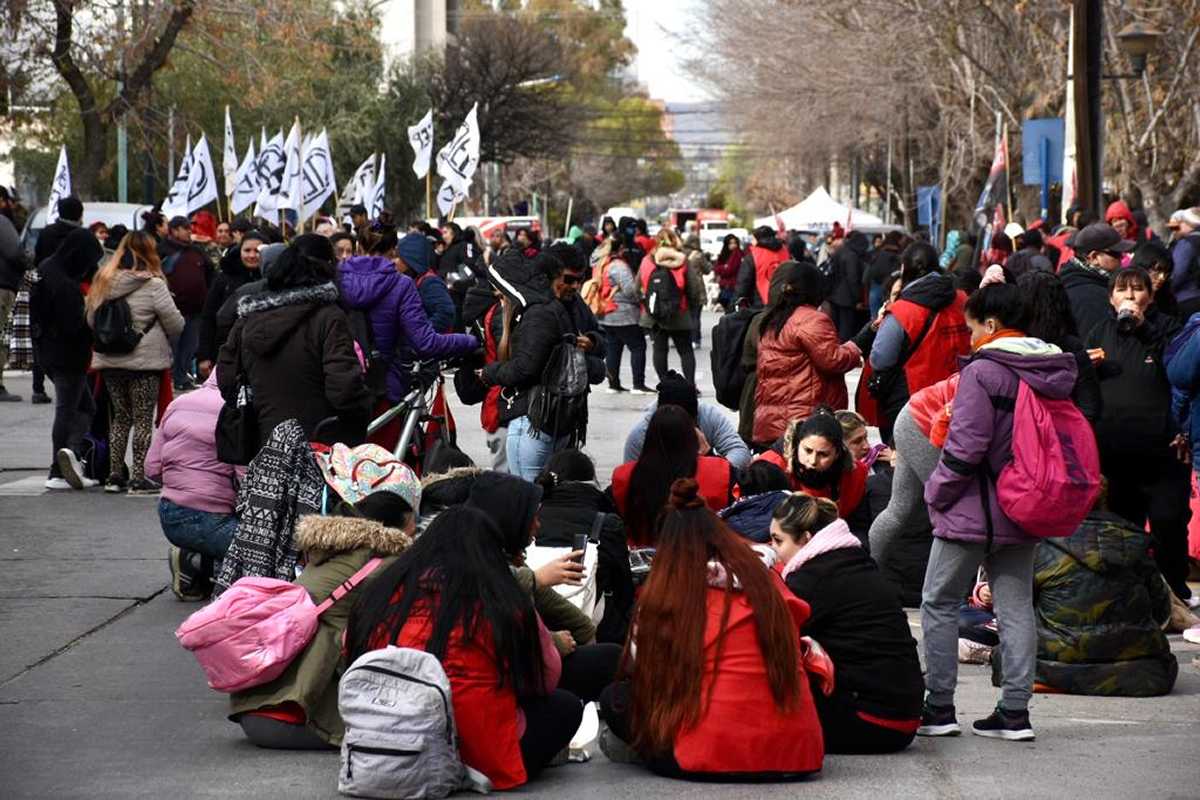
(814, 455)
(856, 616)
(718, 690)
(763, 486)
(671, 451)
(572, 503)
(299, 709)
(453, 595)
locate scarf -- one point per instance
(1003, 333)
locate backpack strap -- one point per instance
(348, 585)
(912, 348)
(597, 526)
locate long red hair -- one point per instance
(667, 677)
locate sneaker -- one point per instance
(57, 484)
(40, 399)
(184, 575)
(115, 485)
(615, 749)
(8, 397)
(1192, 634)
(72, 469)
(1193, 602)
(938, 721)
(1012, 726)
(641, 390)
(144, 486)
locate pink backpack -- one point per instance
(1054, 476)
(249, 635)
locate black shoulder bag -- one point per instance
(880, 384)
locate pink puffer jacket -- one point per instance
(183, 454)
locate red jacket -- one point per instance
(798, 370)
(851, 488)
(766, 261)
(489, 412)
(740, 729)
(947, 339)
(714, 475)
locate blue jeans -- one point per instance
(204, 532)
(184, 350)
(529, 451)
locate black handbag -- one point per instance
(237, 424)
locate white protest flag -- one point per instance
(245, 183)
(420, 136)
(202, 179)
(316, 179)
(456, 162)
(291, 189)
(175, 205)
(60, 187)
(448, 197)
(359, 187)
(229, 160)
(377, 206)
(270, 168)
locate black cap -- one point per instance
(179, 222)
(1099, 236)
(674, 390)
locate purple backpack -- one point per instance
(1054, 476)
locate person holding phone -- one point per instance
(1142, 451)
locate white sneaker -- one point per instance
(58, 483)
(71, 468)
(1192, 634)
(1193, 602)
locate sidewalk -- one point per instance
(98, 701)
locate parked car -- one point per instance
(127, 214)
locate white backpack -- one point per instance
(400, 738)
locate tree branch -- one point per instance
(138, 79)
(64, 60)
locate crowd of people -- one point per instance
(763, 564)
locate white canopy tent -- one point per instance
(819, 211)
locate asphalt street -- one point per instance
(97, 700)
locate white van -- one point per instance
(127, 214)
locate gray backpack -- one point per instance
(400, 737)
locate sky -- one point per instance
(651, 24)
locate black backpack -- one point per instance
(728, 338)
(115, 333)
(663, 298)
(558, 404)
(377, 362)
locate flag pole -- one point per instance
(429, 194)
(1008, 177)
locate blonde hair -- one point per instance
(142, 251)
(667, 235)
(801, 513)
(850, 421)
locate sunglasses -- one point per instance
(570, 279)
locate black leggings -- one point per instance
(615, 705)
(589, 669)
(846, 732)
(683, 345)
(550, 722)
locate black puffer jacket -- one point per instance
(232, 276)
(848, 265)
(297, 352)
(541, 323)
(51, 237)
(58, 326)
(1087, 289)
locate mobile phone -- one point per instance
(580, 543)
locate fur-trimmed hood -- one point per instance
(330, 535)
(307, 295)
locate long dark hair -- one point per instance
(308, 261)
(725, 248)
(456, 573)
(670, 452)
(667, 678)
(918, 260)
(800, 285)
(1047, 307)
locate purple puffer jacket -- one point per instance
(393, 305)
(981, 422)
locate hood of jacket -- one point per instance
(834, 536)
(1047, 369)
(770, 244)
(342, 534)
(1104, 543)
(934, 291)
(231, 266)
(126, 282)
(576, 494)
(78, 254)
(509, 502)
(669, 257)
(1076, 273)
(169, 247)
(444, 489)
(273, 317)
(365, 280)
(1118, 210)
(858, 242)
(519, 280)
(751, 516)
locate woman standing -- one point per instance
(718, 689)
(620, 317)
(1140, 443)
(801, 365)
(675, 327)
(135, 275)
(726, 269)
(240, 265)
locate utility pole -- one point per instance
(1088, 18)
(171, 146)
(887, 200)
(122, 134)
